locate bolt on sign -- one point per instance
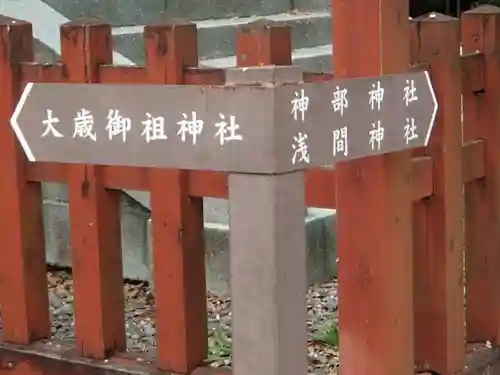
(261, 128)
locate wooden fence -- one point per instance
(399, 308)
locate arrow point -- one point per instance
(15, 125)
(434, 110)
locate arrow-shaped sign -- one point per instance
(353, 118)
(253, 129)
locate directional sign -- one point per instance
(267, 128)
(352, 118)
(186, 127)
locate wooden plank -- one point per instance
(481, 32)
(473, 165)
(23, 287)
(472, 72)
(35, 72)
(203, 76)
(94, 215)
(177, 219)
(122, 74)
(374, 199)
(263, 43)
(44, 357)
(438, 240)
(319, 182)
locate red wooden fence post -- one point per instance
(177, 219)
(439, 300)
(94, 214)
(264, 43)
(481, 32)
(23, 279)
(374, 198)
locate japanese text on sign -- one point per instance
(189, 127)
(409, 96)
(341, 102)
(300, 105)
(248, 129)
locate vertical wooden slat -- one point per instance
(177, 219)
(94, 214)
(264, 43)
(374, 201)
(34, 72)
(439, 300)
(23, 280)
(481, 32)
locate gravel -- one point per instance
(322, 303)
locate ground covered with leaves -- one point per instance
(322, 321)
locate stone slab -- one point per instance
(216, 38)
(314, 5)
(314, 59)
(132, 12)
(268, 273)
(320, 227)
